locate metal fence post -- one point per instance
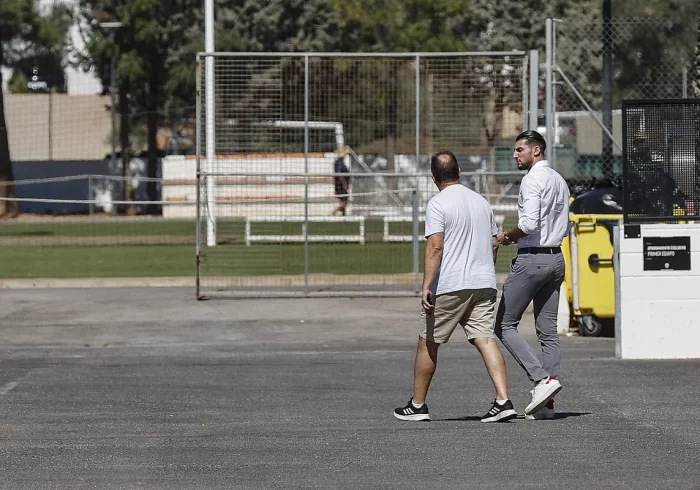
(607, 143)
(549, 96)
(198, 175)
(526, 92)
(534, 88)
(414, 201)
(306, 175)
(417, 63)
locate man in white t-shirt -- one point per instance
(459, 287)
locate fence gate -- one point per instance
(276, 132)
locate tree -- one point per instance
(272, 26)
(157, 43)
(650, 47)
(394, 25)
(141, 46)
(43, 52)
(282, 25)
(154, 50)
(14, 16)
(24, 32)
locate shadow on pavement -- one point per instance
(474, 418)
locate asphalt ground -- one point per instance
(148, 388)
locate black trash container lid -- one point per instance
(604, 198)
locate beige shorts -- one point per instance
(473, 309)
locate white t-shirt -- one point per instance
(468, 224)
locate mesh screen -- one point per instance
(661, 157)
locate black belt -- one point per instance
(539, 250)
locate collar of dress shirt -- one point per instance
(541, 163)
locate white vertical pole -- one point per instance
(306, 174)
(210, 121)
(534, 87)
(549, 102)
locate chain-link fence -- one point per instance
(279, 132)
(595, 66)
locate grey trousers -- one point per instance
(533, 278)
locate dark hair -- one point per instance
(444, 167)
(533, 138)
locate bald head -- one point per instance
(444, 167)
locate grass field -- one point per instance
(93, 248)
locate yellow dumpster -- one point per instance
(589, 283)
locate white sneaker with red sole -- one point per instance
(544, 391)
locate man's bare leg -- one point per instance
(424, 369)
(495, 365)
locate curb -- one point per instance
(107, 282)
(165, 282)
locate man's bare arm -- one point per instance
(433, 257)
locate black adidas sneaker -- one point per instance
(409, 412)
(500, 413)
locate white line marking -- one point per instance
(8, 388)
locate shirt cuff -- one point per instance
(527, 227)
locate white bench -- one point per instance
(388, 237)
(359, 238)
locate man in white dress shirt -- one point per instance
(536, 272)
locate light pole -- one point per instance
(113, 26)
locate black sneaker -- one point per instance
(500, 413)
(409, 412)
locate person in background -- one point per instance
(341, 183)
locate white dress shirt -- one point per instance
(543, 207)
